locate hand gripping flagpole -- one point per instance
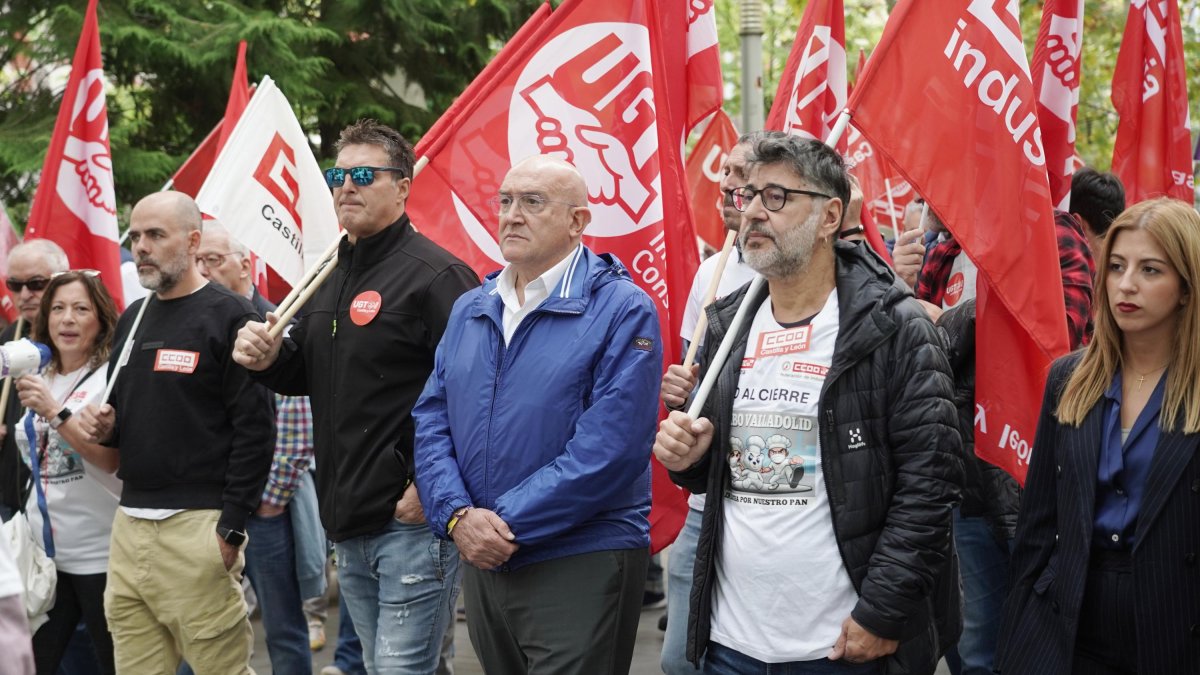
(718, 362)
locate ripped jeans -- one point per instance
(400, 585)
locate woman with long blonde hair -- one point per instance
(1105, 575)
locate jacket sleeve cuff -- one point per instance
(868, 618)
(233, 517)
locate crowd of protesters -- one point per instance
(495, 437)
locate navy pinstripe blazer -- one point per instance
(1053, 542)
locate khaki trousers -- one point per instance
(169, 596)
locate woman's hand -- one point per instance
(35, 395)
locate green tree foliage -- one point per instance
(1104, 24)
(169, 63)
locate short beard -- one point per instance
(166, 276)
(792, 252)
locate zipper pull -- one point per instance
(334, 333)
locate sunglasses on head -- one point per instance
(361, 175)
(35, 284)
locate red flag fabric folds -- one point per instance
(975, 153)
(812, 91)
(1056, 77)
(76, 202)
(1152, 155)
(704, 177)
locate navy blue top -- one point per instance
(1123, 468)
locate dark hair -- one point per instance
(102, 304)
(1097, 197)
(811, 160)
(371, 132)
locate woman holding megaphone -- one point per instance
(77, 486)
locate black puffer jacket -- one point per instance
(988, 491)
(891, 500)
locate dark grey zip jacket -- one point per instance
(891, 496)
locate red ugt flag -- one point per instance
(596, 86)
(704, 177)
(812, 92)
(1152, 154)
(975, 153)
(1056, 80)
(76, 202)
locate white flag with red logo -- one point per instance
(606, 86)
(1153, 152)
(267, 189)
(76, 202)
(1056, 76)
(812, 91)
(704, 177)
(986, 180)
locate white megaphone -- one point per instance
(21, 357)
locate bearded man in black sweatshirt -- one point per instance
(195, 437)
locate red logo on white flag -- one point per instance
(277, 173)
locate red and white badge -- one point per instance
(365, 307)
(176, 361)
(786, 341)
(954, 289)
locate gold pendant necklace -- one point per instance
(1142, 376)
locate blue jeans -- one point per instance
(983, 564)
(721, 660)
(400, 584)
(349, 654)
(271, 568)
(680, 559)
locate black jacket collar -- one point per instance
(369, 250)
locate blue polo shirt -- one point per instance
(1123, 467)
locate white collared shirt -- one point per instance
(535, 291)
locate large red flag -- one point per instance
(598, 87)
(1152, 155)
(812, 91)
(1056, 76)
(975, 153)
(76, 202)
(704, 177)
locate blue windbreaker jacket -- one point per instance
(553, 432)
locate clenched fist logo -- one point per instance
(85, 178)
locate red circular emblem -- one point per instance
(365, 307)
(954, 289)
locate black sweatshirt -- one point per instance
(194, 431)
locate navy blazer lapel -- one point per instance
(1086, 454)
(1175, 449)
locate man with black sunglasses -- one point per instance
(362, 349)
(30, 266)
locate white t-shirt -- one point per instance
(960, 287)
(10, 576)
(782, 590)
(736, 275)
(81, 498)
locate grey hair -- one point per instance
(811, 160)
(51, 252)
(235, 245)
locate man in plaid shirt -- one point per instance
(271, 549)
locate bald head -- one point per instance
(545, 215)
(173, 207)
(164, 233)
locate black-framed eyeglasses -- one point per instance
(362, 176)
(213, 259)
(35, 284)
(530, 203)
(773, 196)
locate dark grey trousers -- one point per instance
(573, 615)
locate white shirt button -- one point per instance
(1116, 538)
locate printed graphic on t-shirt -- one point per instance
(176, 361)
(60, 466)
(772, 454)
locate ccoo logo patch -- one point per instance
(365, 307)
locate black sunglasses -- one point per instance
(361, 175)
(36, 284)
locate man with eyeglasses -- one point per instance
(847, 566)
(30, 266)
(533, 438)
(362, 349)
(274, 541)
